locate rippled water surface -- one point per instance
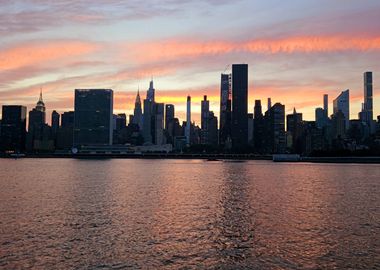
(170, 214)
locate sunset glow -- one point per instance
(184, 46)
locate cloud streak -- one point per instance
(172, 49)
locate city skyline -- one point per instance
(313, 52)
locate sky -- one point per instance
(297, 50)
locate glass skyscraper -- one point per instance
(93, 117)
(239, 105)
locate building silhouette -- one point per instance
(188, 121)
(39, 135)
(294, 129)
(55, 121)
(275, 140)
(368, 98)
(326, 105)
(93, 118)
(239, 129)
(150, 95)
(205, 113)
(342, 103)
(225, 110)
(13, 128)
(258, 128)
(169, 114)
(137, 113)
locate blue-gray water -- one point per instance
(149, 214)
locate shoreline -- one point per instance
(208, 157)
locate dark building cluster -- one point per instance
(153, 127)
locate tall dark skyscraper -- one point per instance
(225, 109)
(239, 128)
(37, 118)
(67, 119)
(150, 95)
(158, 123)
(258, 127)
(169, 114)
(342, 103)
(368, 97)
(13, 128)
(205, 111)
(147, 121)
(137, 113)
(326, 105)
(294, 128)
(275, 140)
(93, 118)
(188, 121)
(55, 117)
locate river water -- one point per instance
(190, 214)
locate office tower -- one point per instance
(338, 122)
(93, 117)
(368, 96)
(13, 128)
(205, 111)
(137, 113)
(36, 125)
(212, 127)
(188, 121)
(275, 140)
(66, 131)
(258, 127)
(342, 103)
(169, 114)
(269, 103)
(294, 128)
(121, 121)
(320, 117)
(147, 121)
(150, 95)
(239, 128)
(250, 128)
(158, 123)
(55, 117)
(326, 105)
(67, 119)
(225, 110)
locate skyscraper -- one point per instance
(93, 118)
(137, 113)
(258, 127)
(188, 121)
(239, 105)
(326, 105)
(36, 125)
(368, 97)
(212, 129)
(320, 117)
(269, 104)
(55, 117)
(147, 121)
(342, 103)
(13, 128)
(150, 95)
(205, 111)
(294, 128)
(225, 109)
(158, 123)
(275, 140)
(169, 114)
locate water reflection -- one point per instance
(172, 214)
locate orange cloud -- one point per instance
(304, 44)
(35, 54)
